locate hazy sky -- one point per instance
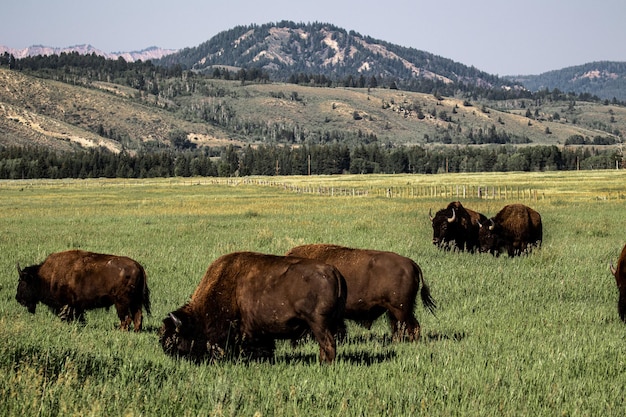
(501, 37)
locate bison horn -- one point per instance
(453, 218)
(492, 224)
(613, 270)
(430, 214)
(19, 270)
(176, 320)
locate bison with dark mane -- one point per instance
(74, 281)
(247, 300)
(377, 281)
(457, 224)
(619, 273)
(515, 229)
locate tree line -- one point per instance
(270, 160)
(75, 68)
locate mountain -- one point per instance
(287, 48)
(604, 79)
(150, 53)
(168, 103)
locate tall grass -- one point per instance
(534, 335)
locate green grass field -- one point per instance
(535, 335)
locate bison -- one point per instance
(377, 281)
(456, 224)
(620, 278)
(74, 281)
(247, 300)
(515, 229)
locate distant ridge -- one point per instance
(150, 53)
(604, 79)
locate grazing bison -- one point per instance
(620, 278)
(515, 229)
(377, 282)
(74, 281)
(456, 224)
(247, 300)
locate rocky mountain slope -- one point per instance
(288, 48)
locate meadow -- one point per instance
(533, 335)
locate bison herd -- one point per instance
(247, 300)
(515, 229)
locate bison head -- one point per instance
(443, 227)
(182, 336)
(488, 236)
(27, 289)
(178, 335)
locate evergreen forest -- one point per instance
(30, 162)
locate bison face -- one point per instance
(440, 230)
(488, 236)
(179, 336)
(27, 294)
(443, 228)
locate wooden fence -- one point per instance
(451, 192)
(425, 191)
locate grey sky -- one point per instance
(500, 37)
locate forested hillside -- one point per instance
(286, 49)
(139, 119)
(605, 79)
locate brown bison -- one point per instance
(620, 278)
(74, 281)
(247, 300)
(456, 224)
(515, 229)
(377, 282)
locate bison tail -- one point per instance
(146, 299)
(427, 300)
(146, 292)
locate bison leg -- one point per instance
(404, 326)
(137, 320)
(129, 314)
(260, 349)
(125, 323)
(80, 316)
(123, 312)
(328, 345)
(341, 334)
(65, 313)
(69, 313)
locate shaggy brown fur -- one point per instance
(377, 281)
(515, 229)
(247, 300)
(74, 281)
